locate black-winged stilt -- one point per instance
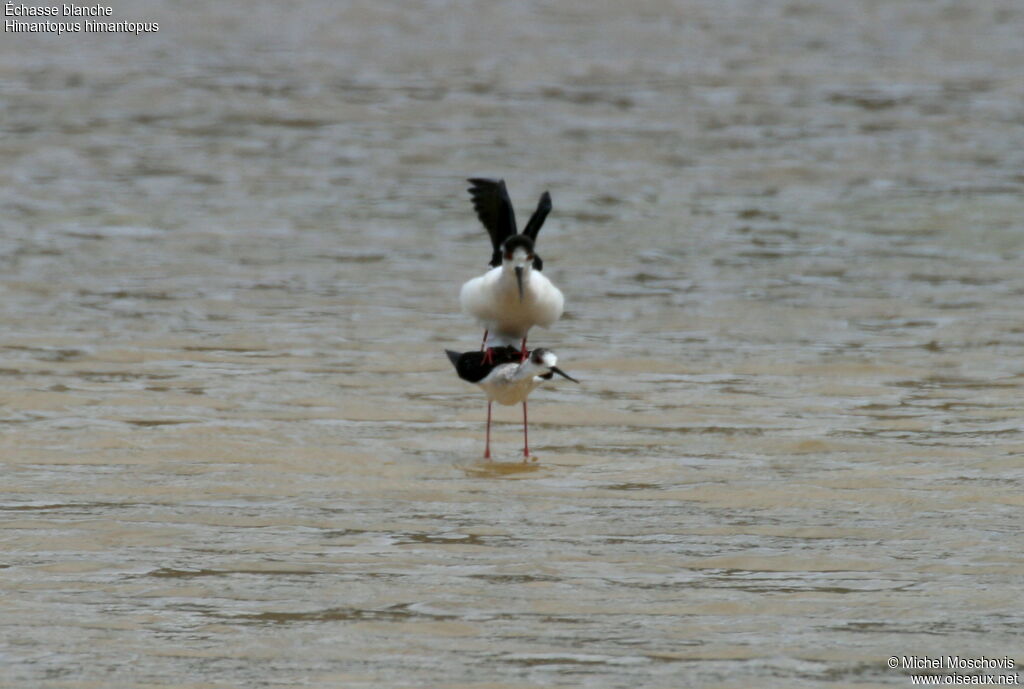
(514, 295)
(506, 379)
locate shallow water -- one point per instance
(789, 238)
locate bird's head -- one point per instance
(517, 254)
(544, 360)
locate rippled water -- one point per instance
(789, 234)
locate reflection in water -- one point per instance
(490, 469)
(787, 234)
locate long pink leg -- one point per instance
(488, 352)
(487, 448)
(522, 352)
(526, 441)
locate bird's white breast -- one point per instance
(493, 299)
(502, 385)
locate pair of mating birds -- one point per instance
(508, 300)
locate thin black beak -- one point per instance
(563, 374)
(519, 281)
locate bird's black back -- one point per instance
(471, 367)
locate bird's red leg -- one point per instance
(526, 443)
(523, 352)
(488, 352)
(487, 447)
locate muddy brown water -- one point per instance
(234, 453)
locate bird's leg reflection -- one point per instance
(487, 447)
(526, 443)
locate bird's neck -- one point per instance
(528, 369)
(508, 271)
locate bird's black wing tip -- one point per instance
(480, 183)
(494, 208)
(537, 219)
(453, 357)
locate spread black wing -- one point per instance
(538, 217)
(471, 367)
(533, 227)
(494, 208)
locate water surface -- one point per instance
(236, 455)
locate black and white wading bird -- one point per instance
(507, 379)
(514, 295)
